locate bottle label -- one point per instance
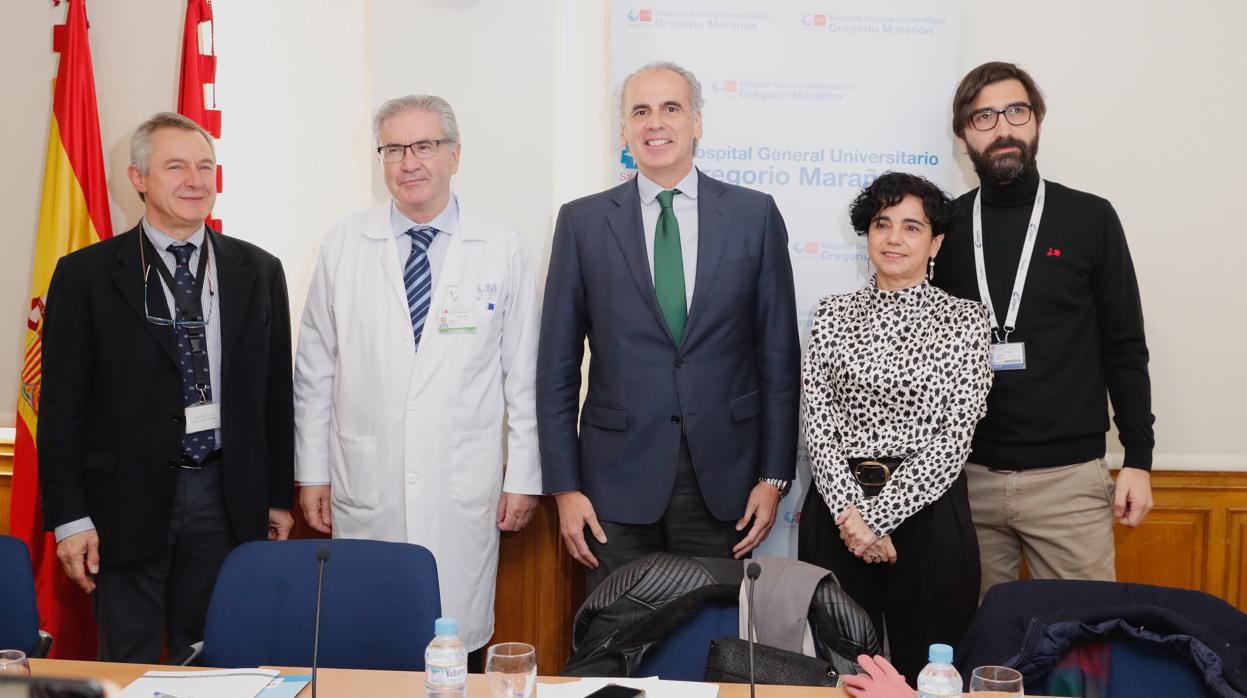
(446, 676)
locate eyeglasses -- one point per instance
(986, 119)
(169, 322)
(423, 150)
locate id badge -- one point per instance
(202, 417)
(1009, 356)
(457, 319)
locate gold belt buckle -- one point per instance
(887, 473)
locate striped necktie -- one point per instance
(418, 277)
(199, 444)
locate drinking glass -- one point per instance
(13, 663)
(511, 669)
(996, 682)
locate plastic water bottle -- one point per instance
(939, 678)
(446, 662)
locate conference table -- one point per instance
(354, 683)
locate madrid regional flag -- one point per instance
(73, 214)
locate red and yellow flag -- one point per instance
(72, 215)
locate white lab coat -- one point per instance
(412, 441)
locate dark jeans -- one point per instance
(931, 592)
(686, 528)
(137, 603)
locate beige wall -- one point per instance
(1141, 112)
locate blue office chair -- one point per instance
(682, 655)
(19, 623)
(377, 607)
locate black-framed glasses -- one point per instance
(986, 119)
(423, 150)
(170, 322)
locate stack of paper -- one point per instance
(216, 683)
(654, 687)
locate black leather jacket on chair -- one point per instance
(640, 603)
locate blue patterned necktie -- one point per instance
(199, 444)
(418, 277)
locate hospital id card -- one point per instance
(457, 320)
(1009, 356)
(202, 417)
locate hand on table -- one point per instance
(881, 680)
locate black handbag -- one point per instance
(729, 663)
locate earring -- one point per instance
(931, 268)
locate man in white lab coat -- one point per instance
(419, 335)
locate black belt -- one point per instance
(873, 473)
(185, 462)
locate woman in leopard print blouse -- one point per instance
(897, 374)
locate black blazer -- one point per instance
(111, 415)
(731, 386)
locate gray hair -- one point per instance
(141, 141)
(431, 104)
(696, 101)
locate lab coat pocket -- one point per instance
(353, 470)
(476, 474)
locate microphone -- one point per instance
(753, 571)
(322, 556)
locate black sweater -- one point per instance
(1080, 318)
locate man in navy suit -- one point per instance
(683, 287)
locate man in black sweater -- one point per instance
(1067, 329)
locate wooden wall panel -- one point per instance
(1236, 571)
(540, 587)
(6, 483)
(1169, 548)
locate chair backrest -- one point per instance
(1139, 669)
(377, 607)
(19, 614)
(682, 655)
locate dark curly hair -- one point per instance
(890, 189)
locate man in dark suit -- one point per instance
(683, 286)
(166, 426)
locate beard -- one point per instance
(1007, 168)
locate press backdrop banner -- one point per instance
(809, 102)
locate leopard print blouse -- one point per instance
(900, 374)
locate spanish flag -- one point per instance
(72, 215)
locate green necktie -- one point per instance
(669, 267)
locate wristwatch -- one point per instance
(781, 485)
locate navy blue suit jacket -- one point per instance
(731, 385)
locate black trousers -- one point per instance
(686, 528)
(137, 603)
(931, 592)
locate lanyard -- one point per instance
(192, 311)
(1001, 334)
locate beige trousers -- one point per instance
(1060, 518)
